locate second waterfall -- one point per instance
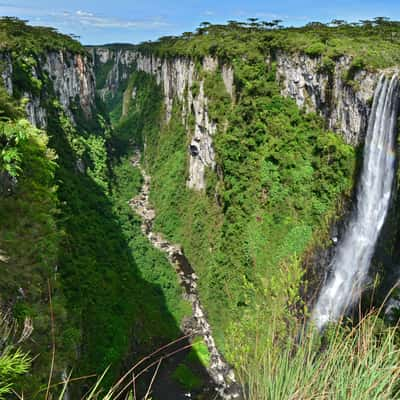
(351, 262)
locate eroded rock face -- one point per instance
(73, 81)
(121, 63)
(345, 107)
(6, 72)
(228, 77)
(35, 113)
(179, 79)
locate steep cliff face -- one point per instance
(180, 79)
(343, 101)
(117, 65)
(340, 93)
(325, 89)
(72, 79)
(6, 72)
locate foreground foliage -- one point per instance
(13, 362)
(360, 362)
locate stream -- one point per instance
(219, 370)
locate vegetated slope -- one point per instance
(279, 181)
(280, 178)
(65, 221)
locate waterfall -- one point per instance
(352, 259)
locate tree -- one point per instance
(338, 22)
(276, 23)
(234, 24)
(187, 35)
(253, 23)
(316, 25)
(267, 24)
(381, 20)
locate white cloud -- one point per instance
(269, 15)
(81, 17)
(84, 14)
(90, 19)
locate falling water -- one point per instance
(354, 253)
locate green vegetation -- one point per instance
(67, 231)
(376, 41)
(186, 377)
(29, 237)
(153, 265)
(346, 363)
(13, 362)
(200, 352)
(26, 40)
(284, 177)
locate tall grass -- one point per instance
(351, 364)
(126, 386)
(13, 361)
(344, 363)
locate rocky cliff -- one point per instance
(342, 98)
(72, 78)
(180, 79)
(339, 92)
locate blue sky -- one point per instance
(133, 21)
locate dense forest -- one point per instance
(85, 295)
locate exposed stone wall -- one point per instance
(72, 77)
(345, 107)
(6, 72)
(122, 63)
(177, 78)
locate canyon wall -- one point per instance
(180, 79)
(341, 96)
(72, 78)
(344, 103)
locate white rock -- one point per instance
(345, 109)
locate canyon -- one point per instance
(190, 195)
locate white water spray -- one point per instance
(354, 253)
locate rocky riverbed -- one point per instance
(219, 370)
